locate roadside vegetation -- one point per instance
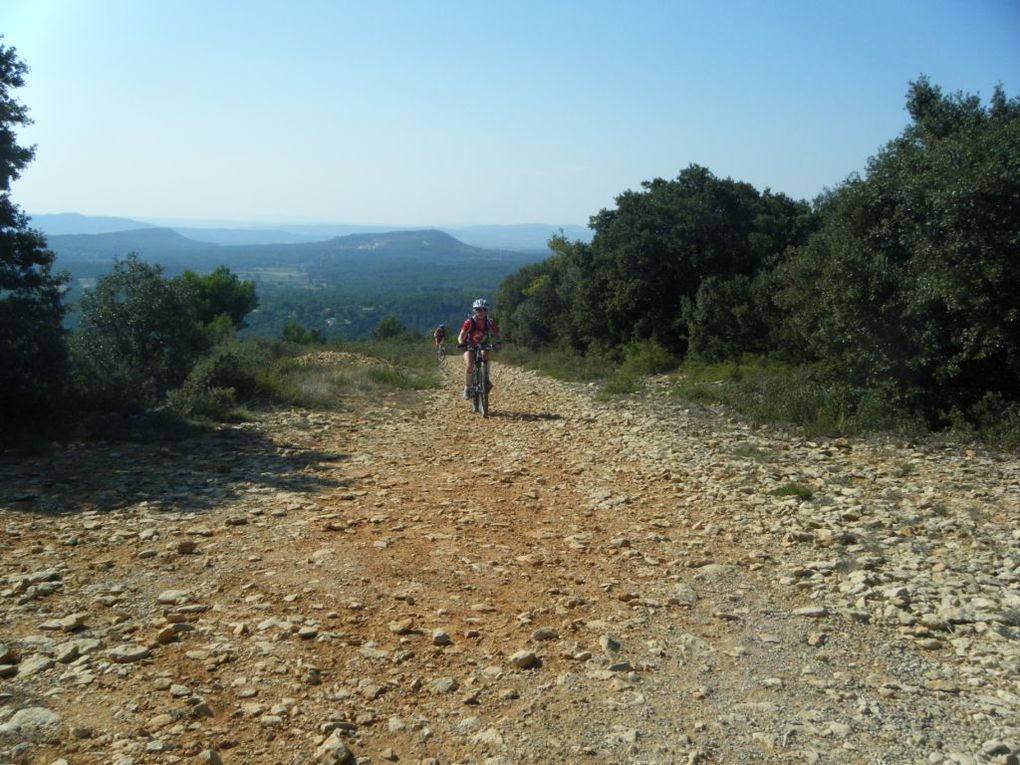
(892, 302)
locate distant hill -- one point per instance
(531, 237)
(391, 260)
(153, 243)
(340, 286)
(245, 236)
(75, 223)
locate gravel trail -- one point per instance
(568, 581)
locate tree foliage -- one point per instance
(658, 246)
(914, 277)
(32, 343)
(296, 333)
(138, 337)
(221, 293)
(140, 334)
(647, 260)
(728, 318)
(388, 328)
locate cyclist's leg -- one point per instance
(469, 370)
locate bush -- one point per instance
(300, 335)
(726, 319)
(138, 338)
(389, 327)
(993, 420)
(218, 404)
(235, 373)
(769, 392)
(647, 358)
(564, 364)
(233, 365)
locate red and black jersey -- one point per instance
(476, 333)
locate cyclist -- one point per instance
(477, 329)
(439, 336)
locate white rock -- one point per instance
(36, 724)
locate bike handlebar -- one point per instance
(480, 346)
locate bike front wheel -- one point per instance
(483, 389)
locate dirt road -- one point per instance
(568, 581)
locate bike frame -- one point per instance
(479, 392)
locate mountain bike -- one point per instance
(478, 391)
(441, 353)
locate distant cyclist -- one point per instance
(477, 329)
(439, 336)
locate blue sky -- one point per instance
(452, 113)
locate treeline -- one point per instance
(899, 290)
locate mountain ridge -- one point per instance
(170, 246)
(517, 236)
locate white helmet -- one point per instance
(481, 303)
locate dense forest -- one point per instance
(893, 297)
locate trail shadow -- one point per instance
(194, 474)
(526, 416)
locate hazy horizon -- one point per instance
(255, 224)
(455, 113)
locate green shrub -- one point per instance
(992, 420)
(699, 392)
(234, 366)
(564, 364)
(300, 335)
(621, 384)
(230, 373)
(726, 318)
(793, 490)
(193, 401)
(753, 453)
(647, 357)
(138, 338)
(766, 391)
(388, 327)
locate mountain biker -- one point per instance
(439, 336)
(477, 329)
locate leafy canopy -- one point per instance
(914, 278)
(32, 343)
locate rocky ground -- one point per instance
(569, 581)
